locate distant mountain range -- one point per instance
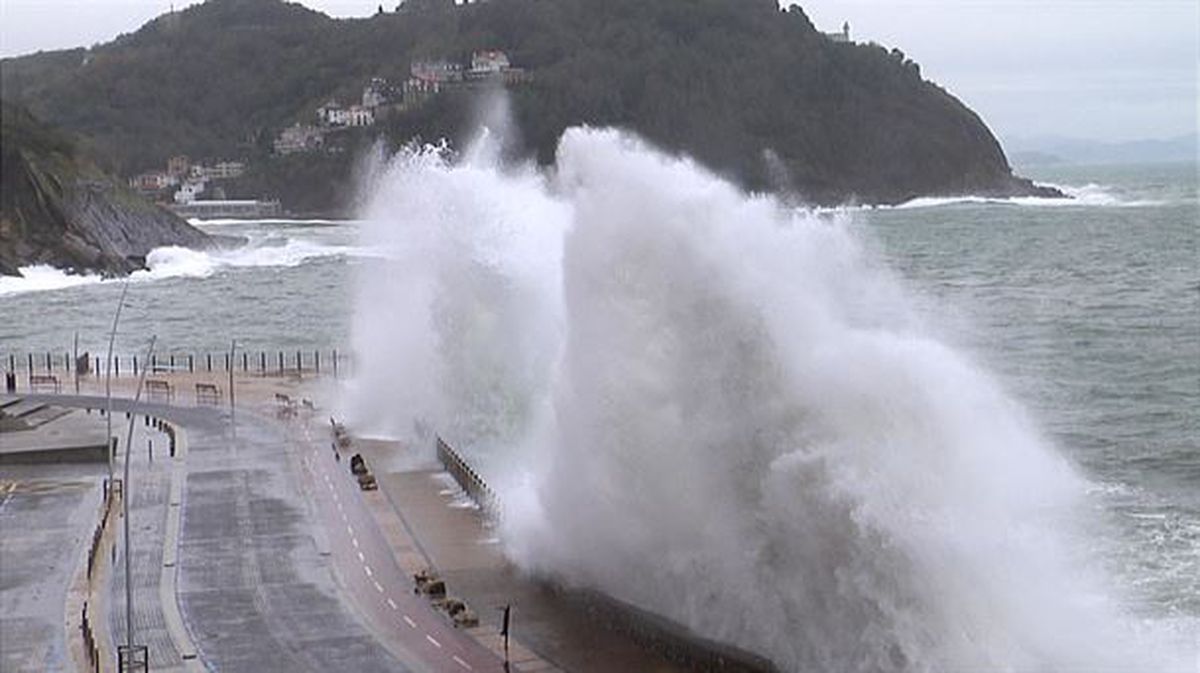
(754, 92)
(1044, 150)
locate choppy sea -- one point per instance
(1088, 310)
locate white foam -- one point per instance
(1089, 195)
(724, 411)
(42, 277)
(225, 221)
(176, 262)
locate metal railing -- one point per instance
(468, 479)
(42, 368)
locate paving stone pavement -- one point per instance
(46, 518)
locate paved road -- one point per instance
(255, 589)
(255, 593)
(370, 570)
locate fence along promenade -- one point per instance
(49, 371)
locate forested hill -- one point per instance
(57, 208)
(752, 91)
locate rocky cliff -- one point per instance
(58, 208)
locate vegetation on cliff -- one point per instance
(752, 91)
(58, 208)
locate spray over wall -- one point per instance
(723, 410)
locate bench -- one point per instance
(37, 381)
(158, 389)
(207, 393)
(286, 406)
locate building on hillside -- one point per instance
(188, 191)
(222, 170)
(225, 170)
(178, 166)
(843, 36)
(492, 64)
(334, 114)
(152, 181)
(489, 61)
(299, 138)
(437, 72)
(376, 93)
(327, 112)
(248, 208)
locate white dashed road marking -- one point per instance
(460, 662)
(434, 642)
(368, 571)
(378, 587)
(392, 604)
(408, 620)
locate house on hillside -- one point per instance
(334, 114)
(152, 181)
(491, 64)
(299, 138)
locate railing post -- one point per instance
(208, 357)
(299, 363)
(190, 369)
(317, 361)
(335, 363)
(245, 361)
(262, 362)
(281, 361)
(48, 362)
(135, 367)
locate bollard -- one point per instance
(47, 362)
(262, 362)
(31, 364)
(117, 367)
(335, 363)
(317, 361)
(190, 368)
(280, 361)
(153, 362)
(208, 359)
(150, 449)
(299, 363)
(135, 370)
(66, 362)
(245, 361)
(98, 370)
(172, 362)
(227, 365)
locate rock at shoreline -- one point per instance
(58, 208)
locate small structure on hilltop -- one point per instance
(843, 36)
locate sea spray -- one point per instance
(458, 327)
(721, 409)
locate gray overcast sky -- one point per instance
(1105, 69)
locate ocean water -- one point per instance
(1083, 313)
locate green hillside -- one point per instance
(752, 91)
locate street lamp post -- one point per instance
(108, 383)
(125, 495)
